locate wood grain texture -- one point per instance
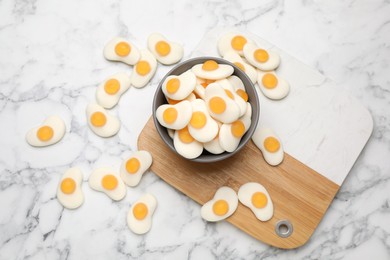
(299, 194)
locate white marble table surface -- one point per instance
(51, 62)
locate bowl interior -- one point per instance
(159, 99)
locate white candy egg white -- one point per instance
(214, 146)
(165, 51)
(202, 127)
(225, 84)
(229, 136)
(108, 93)
(121, 45)
(236, 59)
(96, 182)
(271, 63)
(71, 199)
(232, 42)
(179, 87)
(111, 126)
(142, 226)
(171, 132)
(222, 71)
(144, 69)
(185, 145)
(51, 131)
(165, 117)
(224, 193)
(259, 137)
(236, 82)
(278, 91)
(245, 194)
(200, 91)
(134, 166)
(230, 113)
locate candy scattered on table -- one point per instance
(51, 131)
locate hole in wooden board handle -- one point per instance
(284, 228)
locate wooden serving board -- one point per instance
(299, 194)
(322, 129)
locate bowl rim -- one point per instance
(244, 140)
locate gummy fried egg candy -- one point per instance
(221, 206)
(256, 198)
(202, 127)
(230, 134)
(139, 217)
(69, 192)
(210, 69)
(269, 144)
(236, 59)
(51, 131)
(220, 106)
(225, 84)
(174, 116)
(186, 145)
(272, 85)
(238, 86)
(165, 51)
(102, 123)
(109, 92)
(108, 181)
(119, 49)
(260, 58)
(179, 87)
(134, 167)
(232, 42)
(144, 69)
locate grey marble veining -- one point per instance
(51, 62)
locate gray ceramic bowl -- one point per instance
(207, 157)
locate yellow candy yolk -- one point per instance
(109, 182)
(122, 49)
(271, 144)
(259, 200)
(45, 133)
(112, 86)
(238, 42)
(163, 48)
(220, 207)
(140, 211)
(98, 119)
(68, 186)
(229, 93)
(240, 65)
(143, 67)
(217, 105)
(242, 94)
(173, 85)
(261, 55)
(185, 136)
(210, 65)
(269, 81)
(170, 115)
(238, 129)
(198, 119)
(132, 165)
